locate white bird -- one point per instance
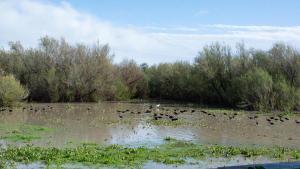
(157, 105)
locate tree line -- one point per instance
(56, 71)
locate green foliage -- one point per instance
(132, 78)
(216, 69)
(172, 152)
(285, 96)
(257, 88)
(11, 91)
(57, 71)
(170, 81)
(122, 91)
(253, 79)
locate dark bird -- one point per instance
(174, 119)
(286, 118)
(271, 123)
(203, 111)
(297, 121)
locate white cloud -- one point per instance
(28, 20)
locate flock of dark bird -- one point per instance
(156, 115)
(280, 118)
(172, 114)
(30, 108)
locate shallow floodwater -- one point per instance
(192, 164)
(101, 123)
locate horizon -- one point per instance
(152, 32)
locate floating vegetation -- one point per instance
(22, 132)
(172, 152)
(20, 137)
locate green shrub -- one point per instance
(257, 89)
(11, 91)
(285, 96)
(121, 91)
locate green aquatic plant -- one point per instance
(20, 137)
(171, 152)
(23, 132)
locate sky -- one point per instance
(152, 31)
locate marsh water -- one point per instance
(130, 124)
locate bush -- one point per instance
(11, 91)
(122, 92)
(257, 89)
(285, 96)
